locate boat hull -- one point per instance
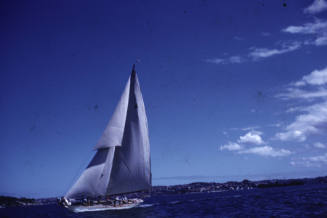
(102, 207)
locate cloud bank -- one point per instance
(318, 29)
(316, 7)
(254, 138)
(313, 118)
(316, 77)
(266, 151)
(313, 161)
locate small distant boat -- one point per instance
(122, 160)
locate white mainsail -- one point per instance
(122, 161)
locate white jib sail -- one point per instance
(122, 161)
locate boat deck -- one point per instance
(101, 207)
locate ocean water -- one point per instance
(293, 201)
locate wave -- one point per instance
(174, 202)
(146, 205)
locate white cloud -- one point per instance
(292, 134)
(296, 93)
(266, 151)
(215, 60)
(294, 109)
(307, 28)
(313, 118)
(311, 86)
(319, 145)
(238, 38)
(313, 161)
(314, 121)
(319, 158)
(261, 150)
(275, 125)
(250, 128)
(236, 59)
(318, 29)
(259, 53)
(316, 77)
(231, 146)
(321, 40)
(316, 7)
(265, 34)
(252, 137)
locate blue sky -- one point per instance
(233, 89)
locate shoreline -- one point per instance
(195, 187)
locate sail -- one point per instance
(131, 169)
(122, 161)
(113, 133)
(95, 178)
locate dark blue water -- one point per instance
(295, 201)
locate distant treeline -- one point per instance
(195, 187)
(235, 186)
(12, 201)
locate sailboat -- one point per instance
(121, 163)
